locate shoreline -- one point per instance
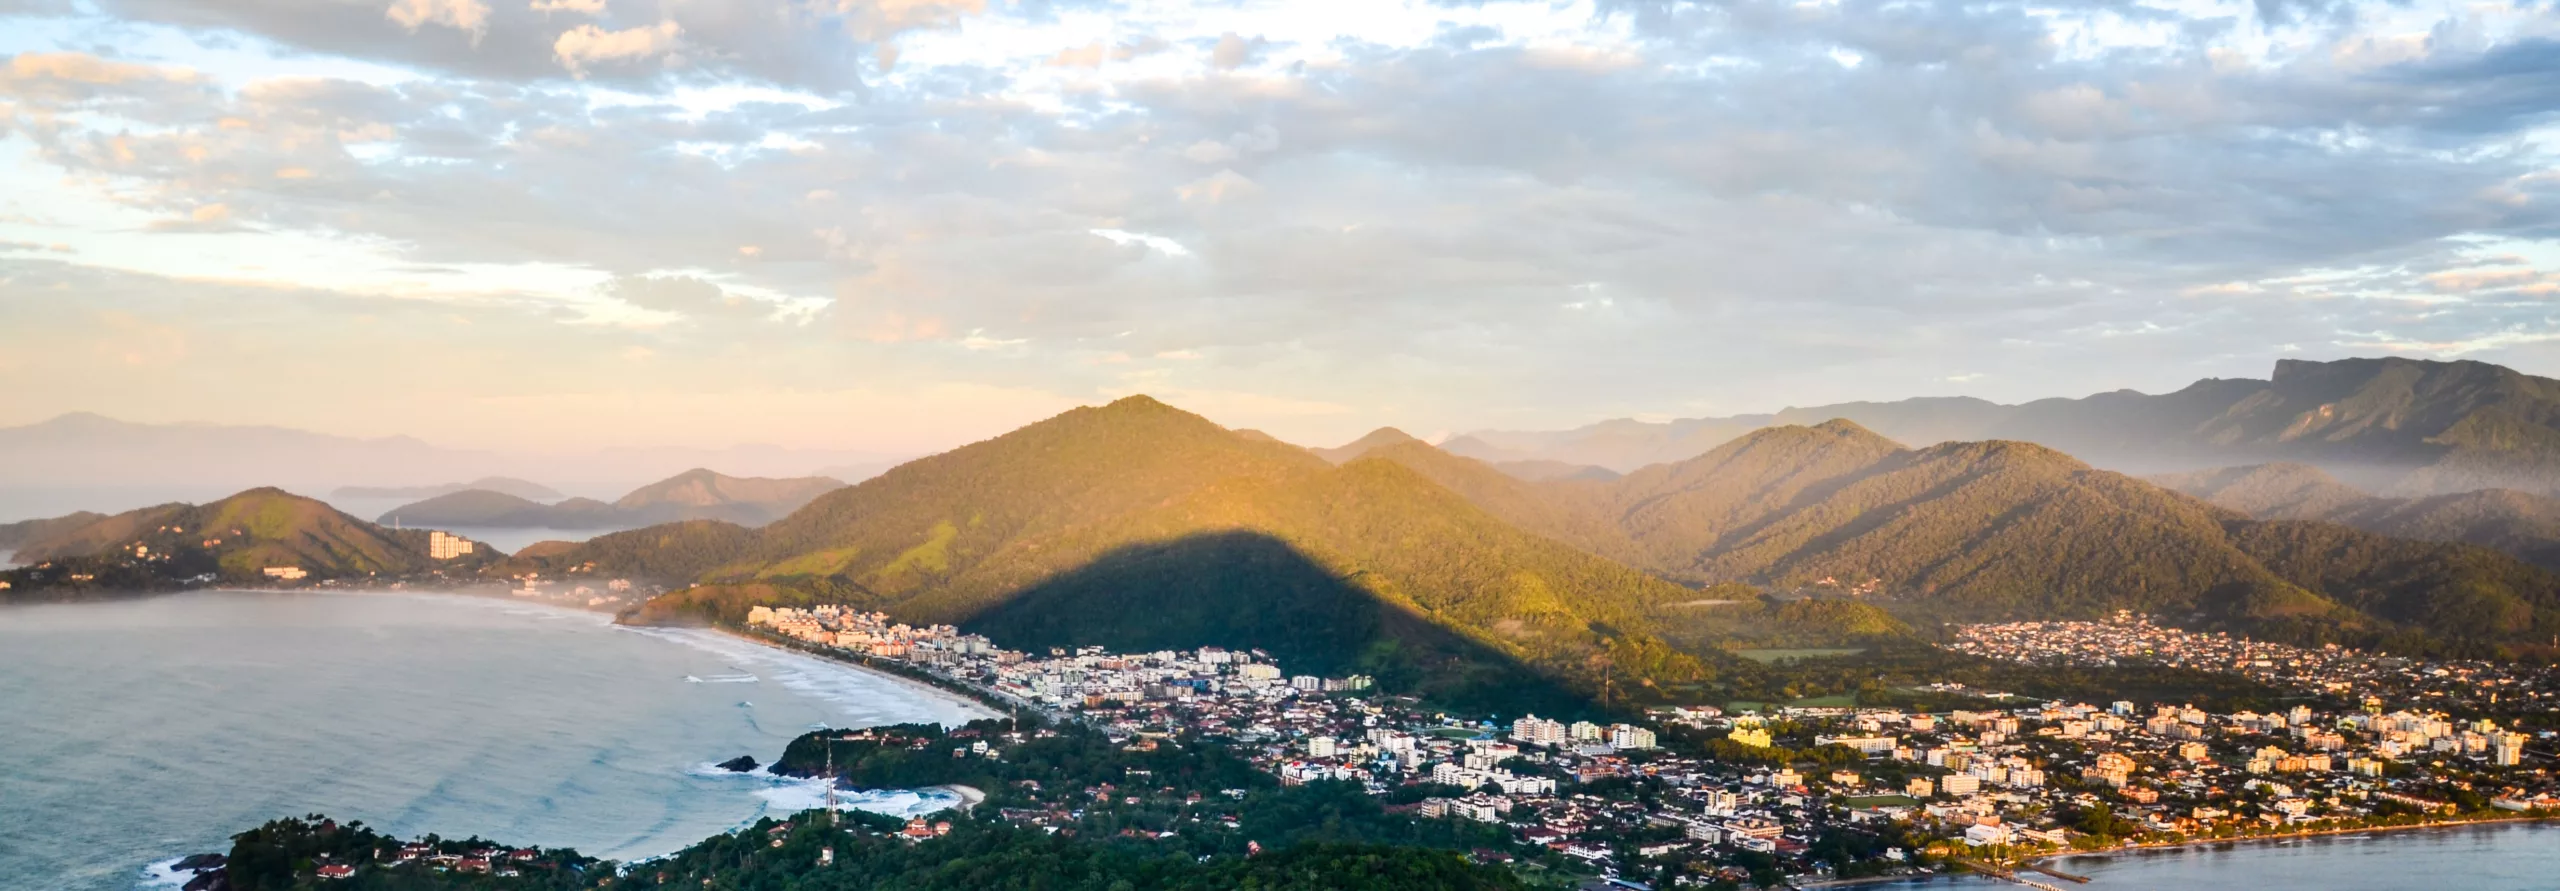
(968, 700)
(2286, 836)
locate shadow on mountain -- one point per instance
(1244, 590)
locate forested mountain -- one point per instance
(700, 494)
(525, 489)
(499, 510)
(1137, 524)
(1376, 439)
(2010, 529)
(233, 540)
(696, 494)
(16, 535)
(2524, 525)
(2400, 426)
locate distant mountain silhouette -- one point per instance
(2398, 426)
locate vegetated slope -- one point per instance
(1376, 439)
(525, 489)
(2400, 426)
(15, 535)
(234, 541)
(2006, 529)
(693, 495)
(2523, 525)
(2009, 529)
(1137, 524)
(480, 507)
(668, 553)
(700, 494)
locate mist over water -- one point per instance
(144, 730)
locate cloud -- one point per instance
(1346, 213)
(583, 7)
(582, 47)
(469, 16)
(1086, 56)
(1234, 51)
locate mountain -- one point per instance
(84, 452)
(692, 495)
(2002, 529)
(670, 552)
(18, 534)
(234, 540)
(2520, 524)
(700, 494)
(82, 449)
(481, 508)
(1376, 439)
(523, 489)
(2401, 426)
(1539, 471)
(1140, 525)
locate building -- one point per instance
(442, 546)
(286, 573)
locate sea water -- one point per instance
(137, 731)
(2495, 857)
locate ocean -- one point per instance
(139, 731)
(2494, 857)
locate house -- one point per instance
(336, 871)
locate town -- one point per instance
(1693, 795)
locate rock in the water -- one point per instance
(198, 863)
(209, 881)
(740, 764)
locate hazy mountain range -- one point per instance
(696, 494)
(2393, 426)
(143, 463)
(1140, 526)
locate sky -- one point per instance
(899, 225)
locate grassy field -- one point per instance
(1766, 656)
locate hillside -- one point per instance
(2522, 525)
(499, 510)
(700, 494)
(692, 495)
(18, 534)
(2008, 529)
(1375, 440)
(2403, 427)
(1137, 524)
(525, 489)
(231, 541)
(670, 553)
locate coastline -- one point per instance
(967, 699)
(2286, 836)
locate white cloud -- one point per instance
(584, 7)
(469, 16)
(1157, 243)
(582, 47)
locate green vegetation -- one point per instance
(232, 541)
(1137, 525)
(2523, 525)
(1182, 814)
(668, 552)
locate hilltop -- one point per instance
(2524, 525)
(2403, 427)
(2002, 529)
(696, 494)
(1138, 525)
(231, 541)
